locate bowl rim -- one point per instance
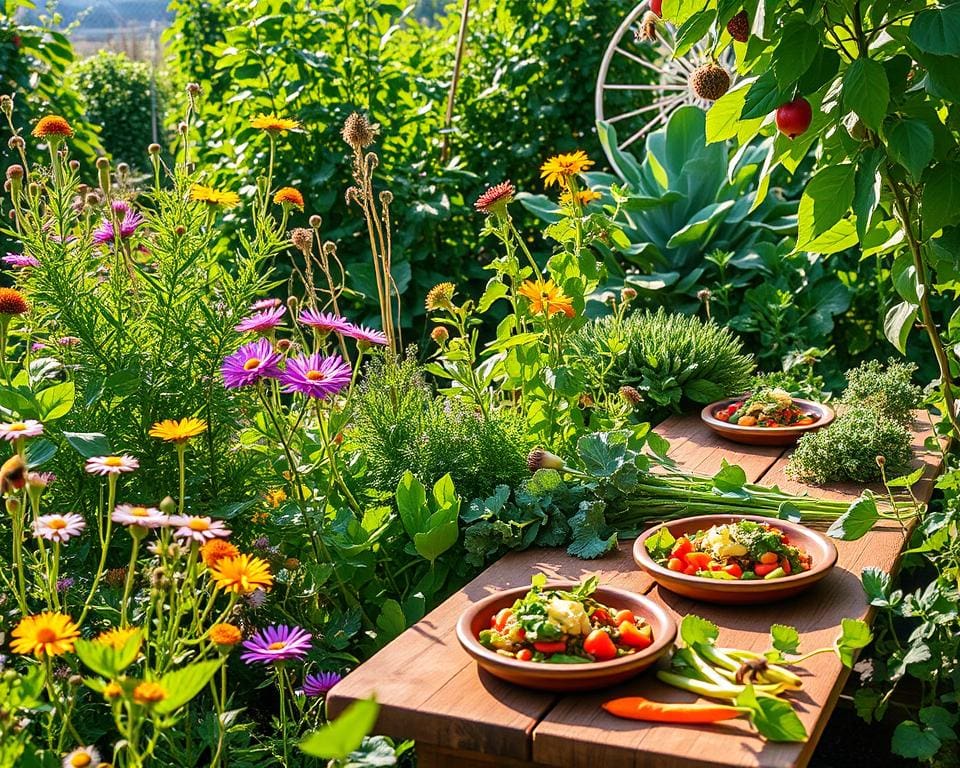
(646, 561)
(472, 645)
(828, 415)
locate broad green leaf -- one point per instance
(941, 721)
(603, 453)
(692, 31)
(796, 51)
(784, 638)
(183, 684)
(937, 30)
(866, 91)
(941, 197)
(876, 584)
(444, 494)
(763, 97)
(40, 451)
(338, 738)
(588, 528)
(641, 203)
(56, 401)
(859, 518)
(905, 281)
(866, 196)
(412, 504)
(824, 203)
(914, 741)
(854, 635)
(723, 118)
(433, 543)
(906, 481)
(775, 719)
(898, 323)
(695, 630)
(391, 620)
(701, 226)
(89, 444)
(660, 544)
(731, 477)
(910, 143)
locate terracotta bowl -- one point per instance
(729, 592)
(566, 677)
(765, 435)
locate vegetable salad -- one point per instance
(768, 407)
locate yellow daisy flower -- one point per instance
(117, 637)
(178, 431)
(584, 197)
(149, 693)
(561, 167)
(275, 124)
(242, 574)
(202, 194)
(46, 634)
(440, 297)
(546, 298)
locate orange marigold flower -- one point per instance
(242, 574)
(46, 634)
(149, 693)
(12, 302)
(584, 197)
(112, 690)
(52, 125)
(225, 635)
(289, 196)
(215, 550)
(558, 169)
(275, 124)
(275, 497)
(546, 298)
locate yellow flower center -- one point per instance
(58, 524)
(198, 524)
(46, 635)
(140, 512)
(113, 461)
(316, 375)
(277, 646)
(252, 363)
(80, 760)
(18, 427)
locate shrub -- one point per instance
(888, 391)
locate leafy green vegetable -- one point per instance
(774, 719)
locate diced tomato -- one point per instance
(634, 636)
(675, 564)
(500, 620)
(691, 570)
(600, 645)
(681, 547)
(785, 564)
(762, 569)
(554, 646)
(734, 570)
(699, 560)
(600, 616)
(805, 421)
(722, 416)
(625, 615)
(524, 654)
(769, 557)
(521, 633)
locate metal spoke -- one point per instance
(640, 111)
(638, 60)
(649, 126)
(638, 87)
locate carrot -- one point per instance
(638, 708)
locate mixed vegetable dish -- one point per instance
(561, 626)
(766, 408)
(744, 550)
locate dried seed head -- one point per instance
(386, 197)
(358, 131)
(302, 240)
(710, 81)
(628, 294)
(180, 231)
(329, 249)
(739, 27)
(194, 89)
(648, 27)
(440, 335)
(704, 294)
(74, 165)
(154, 149)
(541, 459)
(15, 172)
(315, 221)
(6, 104)
(283, 345)
(102, 163)
(16, 143)
(631, 394)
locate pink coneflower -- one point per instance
(197, 528)
(137, 514)
(249, 364)
(262, 304)
(37, 346)
(315, 375)
(128, 225)
(19, 429)
(265, 320)
(325, 322)
(20, 260)
(111, 465)
(496, 198)
(366, 335)
(276, 643)
(321, 683)
(40, 479)
(59, 528)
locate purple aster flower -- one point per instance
(20, 260)
(104, 233)
(366, 335)
(315, 375)
(262, 304)
(276, 643)
(256, 599)
(321, 683)
(325, 322)
(120, 207)
(37, 346)
(65, 583)
(261, 543)
(266, 320)
(249, 364)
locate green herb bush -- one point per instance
(889, 390)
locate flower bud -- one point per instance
(440, 335)
(180, 230)
(315, 221)
(541, 459)
(386, 197)
(283, 345)
(17, 143)
(6, 104)
(881, 461)
(154, 149)
(182, 129)
(74, 165)
(631, 395)
(75, 680)
(13, 505)
(628, 294)
(291, 564)
(704, 294)
(15, 172)
(292, 303)
(168, 506)
(194, 89)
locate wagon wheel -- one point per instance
(636, 108)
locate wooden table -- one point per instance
(431, 691)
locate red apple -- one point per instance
(657, 7)
(794, 118)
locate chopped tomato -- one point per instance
(675, 564)
(721, 416)
(681, 547)
(599, 645)
(699, 560)
(634, 636)
(690, 570)
(734, 570)
(524, 654)
(500, 620)
(625, 615)
(785, 564)
(601, 616)
(554, 646)
(762, 569)
(769, 557)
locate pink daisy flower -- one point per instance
(325, 322)
(137, 514)
(265, 320)
(59, 528)
(365, 335)
(19, 429)
(37, 346)
(20, 260)
(316, 376)
(249, 364)
(197, 528)
(111, 465)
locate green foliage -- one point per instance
(121, 95)
(889, 390)
(672, 359)
(400, 426)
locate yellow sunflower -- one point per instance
(117, 637)
(584, 197)
(561, 167)
(178, 431)
(242, 574)
(47, 633)
(275, 124)
(201, 194)
(546, 298)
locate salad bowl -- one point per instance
(820, 550)
(758, 435)
(589, 675)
